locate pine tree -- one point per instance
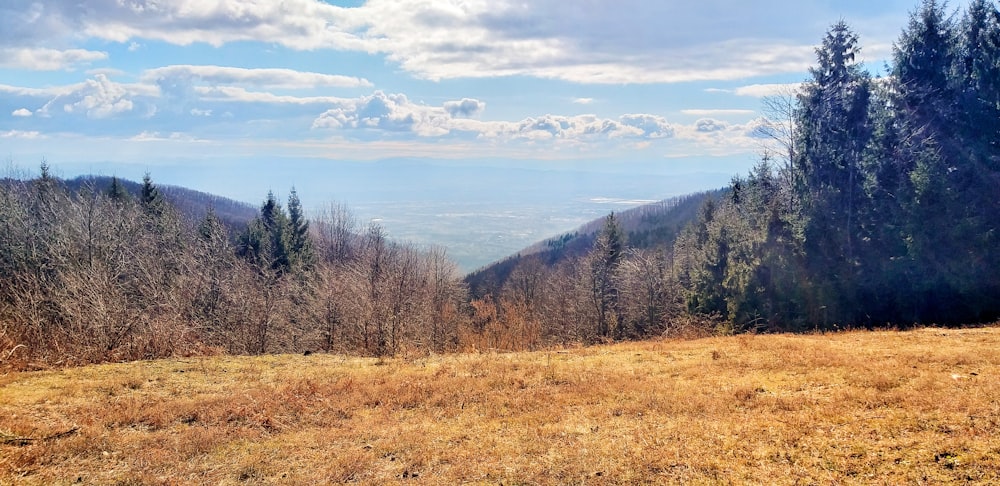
(940, 164)
(150, 198)
(703, 256)
(835, 129)
(605, 260)
(301, 252)
(117, 191)
(264, 242)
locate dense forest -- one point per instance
(884, 205)
(877, 202)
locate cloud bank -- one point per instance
(597, 42)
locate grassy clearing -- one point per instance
(882, 407)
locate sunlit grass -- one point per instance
(882, 407)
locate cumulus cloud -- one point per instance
(652, 126)
(22, 113)
(260, 78)
(397, 113)
(96, 98)
(708, 125)
(758, 128)
(390, 112)
(42, 59)
(465, 108)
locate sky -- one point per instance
(192, 90)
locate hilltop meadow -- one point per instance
(887, 407)
(152, 335)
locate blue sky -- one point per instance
(154, 85)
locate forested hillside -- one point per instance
(96, 273)
(876, 203)
(885, 206)
(189, 203)
(647, 227)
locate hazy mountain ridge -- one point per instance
(650, 226)
(192, 204)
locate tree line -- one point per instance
(101, 274)
(881, 206)
(875, 203)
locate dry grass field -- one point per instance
(919, 407)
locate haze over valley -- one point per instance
(480, 211)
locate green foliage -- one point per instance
(151, 199)
(300, 247)
(118, 192)
(605, 261)
(894, 215)
(278, 241)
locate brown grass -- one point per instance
(851, 408)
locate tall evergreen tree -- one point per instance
(940, 151)
(117, 191)
(151, 199)
(265, 241)
(835, 128)
(703, 250)
(301, 252)
(605, 260)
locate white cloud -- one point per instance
(710, 137)
(396, 113)
(21, 134)
(48, 92)
(465, 108)
(300, 24)
(631, 41)
(96, 98)
(708, 125)
(109, 72)
(260, 78)
(235, 94)
(758, 128)
(21, 112)
(764, 90)
(42, 59)
(583, 101)
(389, 112)
(652, 126)
(152, 136)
